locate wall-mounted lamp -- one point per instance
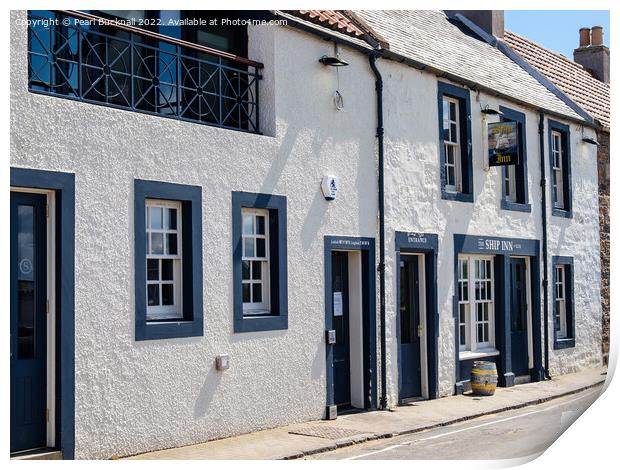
(589, 140)
(333, 61)
(491, 111)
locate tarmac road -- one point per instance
(515, 434)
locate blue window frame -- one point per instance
(563, 302)
(514, 178)
(185, 202)
(259, 262)
(560, 162)
(455, 147)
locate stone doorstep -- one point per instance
(358, 439)
(39, 455)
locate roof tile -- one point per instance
(570, 77)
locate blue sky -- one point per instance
(556, 30)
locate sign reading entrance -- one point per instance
(503, 144)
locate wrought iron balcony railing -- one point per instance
(82, 57)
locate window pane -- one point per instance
(248, 224)
(153, 294)
(248, 247)
(452, 111)
(157, 243)
(450, 180)
(450, 154)
(446, 109)
(257, 270)
(156, 217)
(172, 243)
(26, 286)
(245, 270)
(257, 292)
(453, 132)
(446, 131)
(246, 293)
(260, 225)
(171, 219)
(152, 269)
(260, 247)
(167, 294)
(167, 269)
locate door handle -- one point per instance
(419, 331)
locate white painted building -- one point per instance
(178, 274)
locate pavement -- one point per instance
(315, 437)
(515, 436)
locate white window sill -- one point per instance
(153, 321)
(486, 352)
(257, 313)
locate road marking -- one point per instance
(395, 446)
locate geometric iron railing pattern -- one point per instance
(128, 70)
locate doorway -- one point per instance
(53, 194)
(341, 324)
(411, 328)
(519, 317)
(28, 238)
(350, 324)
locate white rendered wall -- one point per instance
(138, 396)
(413, 203)
(130, 396)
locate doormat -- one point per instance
(327, 432)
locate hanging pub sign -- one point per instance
(503, 144)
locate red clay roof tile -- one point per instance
(570, 77)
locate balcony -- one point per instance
(86, 58)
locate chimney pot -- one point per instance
(597, 35)
(584, 37)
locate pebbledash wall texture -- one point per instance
(414, 204)
(135, 396)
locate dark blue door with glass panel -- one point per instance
(342, 360)
(28, 321)
(410, 372)
(518, 316)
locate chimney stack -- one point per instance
(491, 21)
(592, 54)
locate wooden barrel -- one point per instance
(483, 378)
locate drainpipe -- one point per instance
(543, 187)
(381, 268)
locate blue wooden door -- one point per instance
(340, 312)
(410, 371)
(518, 316)
(28, 321)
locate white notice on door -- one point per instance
(337, 304)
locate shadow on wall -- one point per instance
(207, 391)
(316, 212)
(318, 364)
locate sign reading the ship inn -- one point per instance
(495, 245)
(503, 144)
